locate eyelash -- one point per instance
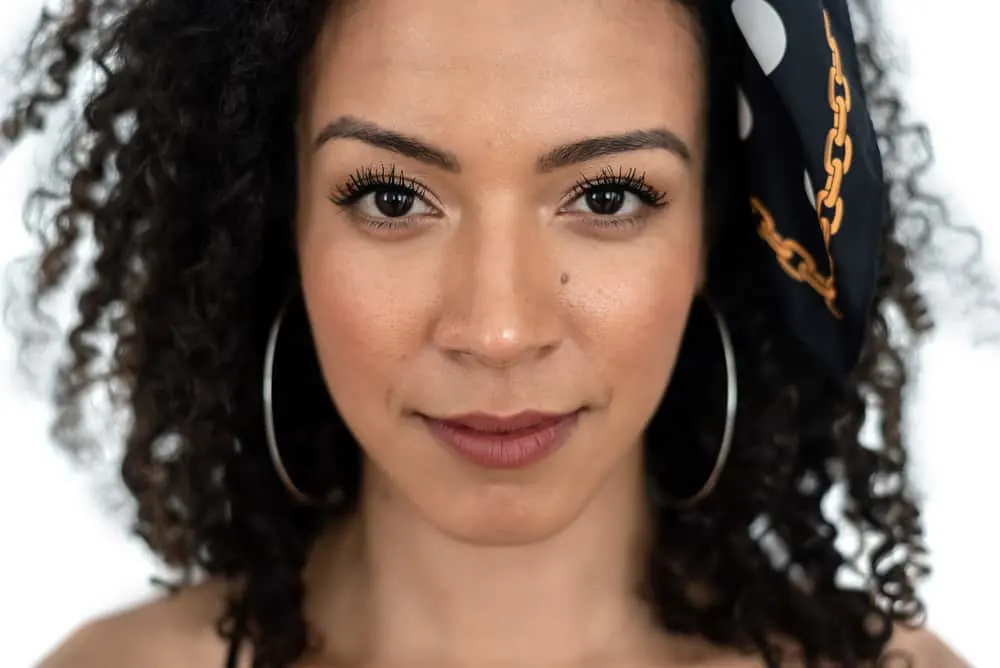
(631, 181)
(366, 180)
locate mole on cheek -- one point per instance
(564, 278)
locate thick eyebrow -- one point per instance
(595, 147)
(349, 127)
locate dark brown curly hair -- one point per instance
(182, 174)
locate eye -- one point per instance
(614, 199)
(391, 202)
(383, 199)
(608, 201)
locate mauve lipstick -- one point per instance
(503, 442)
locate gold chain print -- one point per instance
(837, 155)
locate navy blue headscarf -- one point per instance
(816, 173)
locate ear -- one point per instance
(708, 238)
(702, 277)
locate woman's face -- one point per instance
(500, 210)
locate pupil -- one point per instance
(606, 202)
(393, 203)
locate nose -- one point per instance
(501, 301)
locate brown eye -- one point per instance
(621, 194)
(393, 202)
(388, 202)
(383, 198)
(606, 201)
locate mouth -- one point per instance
(503, 442)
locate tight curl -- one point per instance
(182, 176)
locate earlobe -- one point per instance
(705, 248)
(702, 278)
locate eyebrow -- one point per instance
(350, 127)
(595, 147)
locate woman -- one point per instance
(449, 336)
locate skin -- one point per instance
(466, 311)
(502, 293)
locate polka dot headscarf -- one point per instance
(815, 176)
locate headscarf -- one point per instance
(815, 172)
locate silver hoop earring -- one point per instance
(731, 401)
(272, 441)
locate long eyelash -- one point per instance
(367, 179)
(631, 180)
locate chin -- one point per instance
(479, 506)
(505, 515)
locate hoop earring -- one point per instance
(335, 496)
(731, 402)
(269, 432)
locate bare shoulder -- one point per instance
(908, 648)
(924, 649)
(176, 631)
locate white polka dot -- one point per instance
(763, 30)
(745, 114)
(810, 191)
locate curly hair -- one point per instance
(182, 175)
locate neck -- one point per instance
(388, 586)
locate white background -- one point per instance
(65, 557)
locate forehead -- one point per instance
(508, 69)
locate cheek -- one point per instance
(365, 324)
(632, 312)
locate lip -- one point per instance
(503, 442)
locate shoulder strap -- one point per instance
(236, 641)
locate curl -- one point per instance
(181, 176)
